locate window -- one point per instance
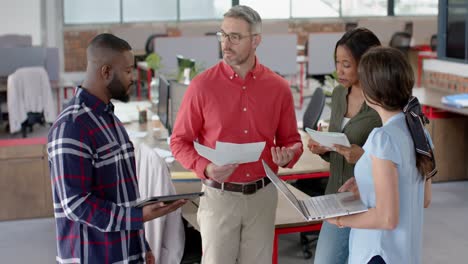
(203, 9)
(91, 11)
(268, 9)
(149, 10)
(416, 7)
(315, 8)
(364, 8)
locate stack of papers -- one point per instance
(328, 139)
(456, 100)
(231, 153)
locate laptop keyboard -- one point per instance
(323, 206)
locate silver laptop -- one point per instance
(319, 207)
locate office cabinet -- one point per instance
(25, 189)
(450, 138)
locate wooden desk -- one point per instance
(448, 128)
(25, 190)
(432, 98)
(288, 219)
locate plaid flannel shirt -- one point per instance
(94, 183)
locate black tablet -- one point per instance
(169, 198)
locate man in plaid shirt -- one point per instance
(92, 167)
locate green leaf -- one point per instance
(154, 61)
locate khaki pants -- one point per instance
(237, 228)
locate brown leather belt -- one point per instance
(248, 188)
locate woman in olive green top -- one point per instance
(352, 116)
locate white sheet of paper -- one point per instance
(328, 139)
(231, 153)
(136, 134)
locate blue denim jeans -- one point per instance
(332, 245)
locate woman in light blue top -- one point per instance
(392, 177)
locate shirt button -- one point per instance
(255, 77)
(246, 131)
(230, 77)
(243, 87)
(235, 75)
(245, 109)
(248, 175)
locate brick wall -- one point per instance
(74, 45)
(444, 81)
(303, 28)
(76, 40)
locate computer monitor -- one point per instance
(176, 95)
(163, 101)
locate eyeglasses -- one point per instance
(234, 38)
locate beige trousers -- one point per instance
(237, 228)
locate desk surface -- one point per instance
(432, 98)
(286, 214)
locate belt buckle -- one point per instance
(246, 191)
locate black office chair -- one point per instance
(312, 187)
(193, 245)
(149, 46)
(350, 26)
(314, 109)
(434, 42)
(401, 41)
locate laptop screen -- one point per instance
(281, 186)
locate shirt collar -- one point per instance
(93, 102)
(231, 74)
(394, 118)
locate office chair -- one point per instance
(149, 46)
(401, 41)
(350, 26)
(314, 109)
(433, 42)
(312, 187)
(29, 99)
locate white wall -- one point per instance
(21, 17)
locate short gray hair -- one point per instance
(248, 15)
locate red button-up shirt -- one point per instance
(221, 106)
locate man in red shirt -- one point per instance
(237, 101)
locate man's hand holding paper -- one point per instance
(231, 153)
(226, 157)
(219, 173)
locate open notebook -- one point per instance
(318, 207)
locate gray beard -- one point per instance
(238, 61)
